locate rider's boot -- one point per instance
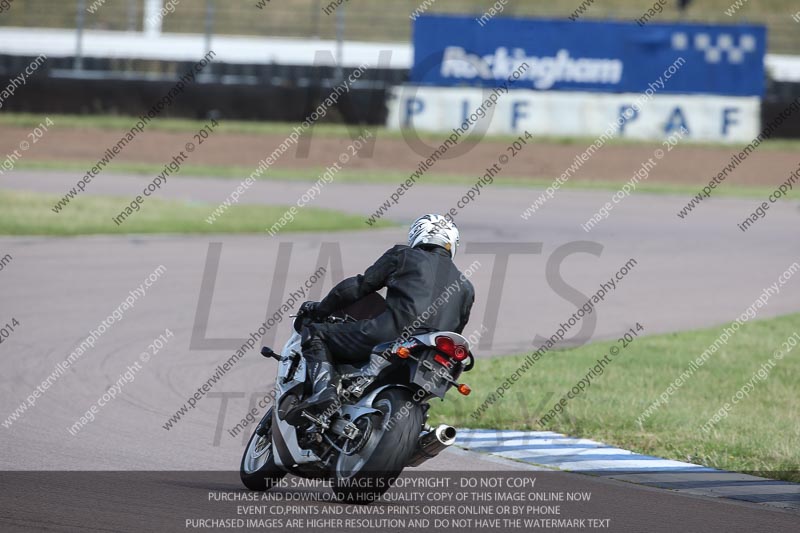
(324, 385)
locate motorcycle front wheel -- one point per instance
(364, 469)
(258, 469)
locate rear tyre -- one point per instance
(258, 469)
(363, 476)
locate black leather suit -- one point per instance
(418, 281)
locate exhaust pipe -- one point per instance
(432, 443)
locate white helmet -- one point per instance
(434, 229)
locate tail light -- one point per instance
(442, 360)
(448, 346)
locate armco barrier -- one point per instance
(199, 100)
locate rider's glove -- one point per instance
(310, 309)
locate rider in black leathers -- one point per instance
(423, 286)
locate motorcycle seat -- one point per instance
(347, 368)
(354, 368)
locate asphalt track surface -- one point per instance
(698, 272)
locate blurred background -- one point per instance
(373, 20)
(276, 59)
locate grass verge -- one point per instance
(760, 434)
(24, 213)
(331, 130)
(392, 177)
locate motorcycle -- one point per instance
(376, 428)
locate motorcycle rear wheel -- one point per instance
(364, 476)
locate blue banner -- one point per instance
(614, 57)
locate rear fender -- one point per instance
(367, 400)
